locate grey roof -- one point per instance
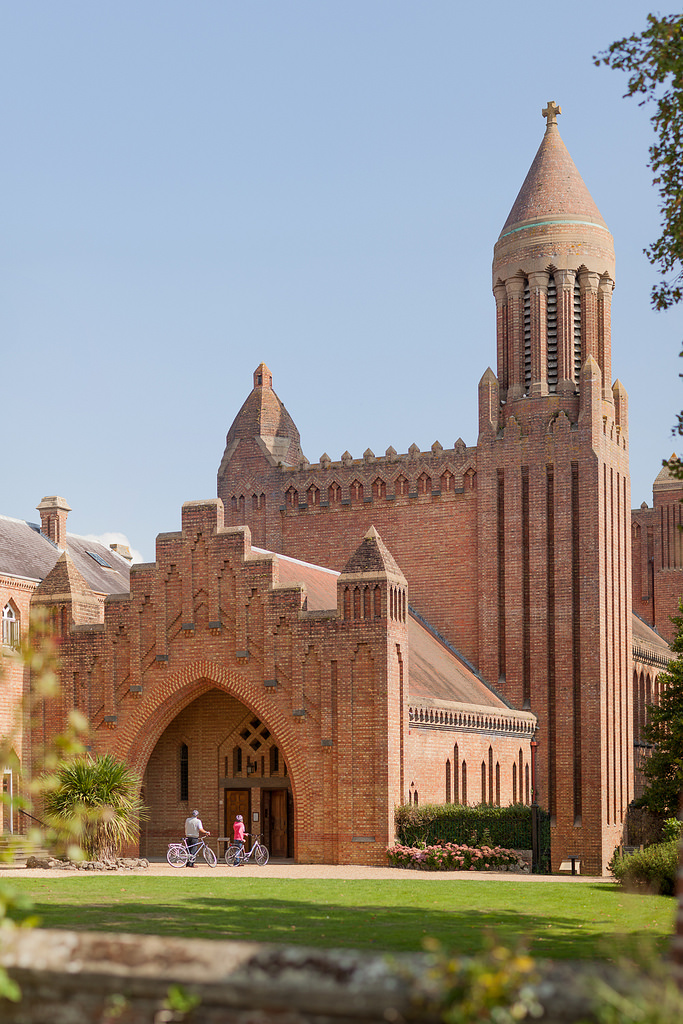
(27, 553)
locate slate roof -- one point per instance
(27, 553)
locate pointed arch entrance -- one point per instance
(220, 757)
(208, 736)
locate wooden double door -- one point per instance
(275, 809)
(236, 801)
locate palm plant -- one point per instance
(95, 802)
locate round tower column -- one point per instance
(589, 283)
(605, 289)
(501, 295)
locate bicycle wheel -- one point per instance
(209, 857)
(177, 856)
(261, 856)
(231, 855)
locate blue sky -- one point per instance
(191, 188)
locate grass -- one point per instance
(557, 919)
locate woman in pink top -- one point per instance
(239, 834)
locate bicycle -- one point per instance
(235, 855)
(179, 854)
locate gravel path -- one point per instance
(287, 869)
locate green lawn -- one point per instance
(557, 919)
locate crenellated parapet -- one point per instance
(436, 474)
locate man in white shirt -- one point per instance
(193, 830)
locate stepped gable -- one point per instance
(553, 188)
(263, 417)
(373, 558)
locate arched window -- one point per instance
(497, 784)
(379, 488)
(490, 775)
(356, 491)
(356, 603)
(456, 775)
(424, 484)
(415, 798)
(10, 626)
(463, 797)
(347, 603)
(292, 497)
(401, 486)
(521, 776)
(184, 772)
(274, 760)
(366, 602)
(448, 781)
(447, 481)
(313, 496)
(514, 782)
(237, 760)
(526, 784)
(334, 494)
(636, 709)
(483, 782)
(377, 611)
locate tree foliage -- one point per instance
(95, 798)
(664, 730)
(653, 60)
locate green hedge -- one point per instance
(435, 824)
(653, 869)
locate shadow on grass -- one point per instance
(394, 929)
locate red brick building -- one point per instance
(325, 641)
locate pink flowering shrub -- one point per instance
(451, 857)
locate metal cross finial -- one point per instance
(550, 112)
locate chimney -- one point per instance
(53, 512)
(123, 550)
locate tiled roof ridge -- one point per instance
(458, 654)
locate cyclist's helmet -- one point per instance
(239, 818)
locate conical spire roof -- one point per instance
(553, 190)
(373, 558)
(264, 416)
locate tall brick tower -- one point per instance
(554, 504)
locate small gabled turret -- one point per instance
(372, 586)
(67, 597)
(264, 419)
